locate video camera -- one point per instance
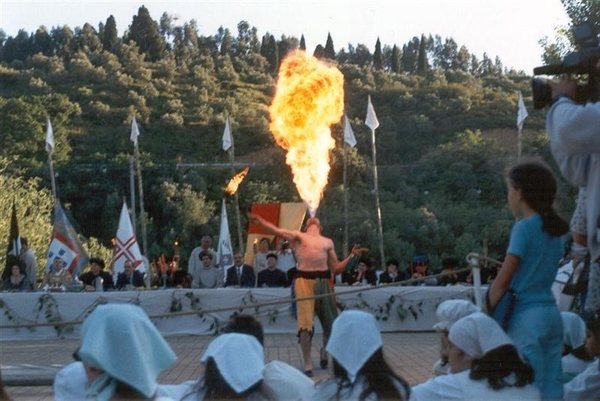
(581, 62)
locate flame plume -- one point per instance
(309, 98)
(235, 182)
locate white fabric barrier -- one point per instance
(396, 308)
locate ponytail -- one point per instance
(553, 224)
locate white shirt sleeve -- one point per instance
(439, 388)
(585, 386)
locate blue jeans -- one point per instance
(538, 334)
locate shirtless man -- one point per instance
(317, 262)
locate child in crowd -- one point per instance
(528, 271)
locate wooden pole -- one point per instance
(52, 180)
(376, 191)
(132, 191)
(141, 192)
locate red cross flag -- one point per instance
(126, 245)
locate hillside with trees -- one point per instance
(447, 133)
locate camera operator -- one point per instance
(574, 132)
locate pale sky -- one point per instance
(509, 29)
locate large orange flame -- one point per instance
(235, 181)
(309, 98)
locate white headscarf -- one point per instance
(123, 342)
(239, 358)
(477, 334)
(355, 337)
(448, 312)
(573, 329)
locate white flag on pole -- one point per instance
(49, 137)
(227, 138)
(135, 131)
(349, 137)
(225, 250)
(371, 121)
(126, 245)
(522, 113)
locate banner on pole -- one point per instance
(65, 244)
(126, 245)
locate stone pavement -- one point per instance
(411, 354)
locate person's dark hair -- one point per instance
(579, 352)
(393, 262)
(366, 261)
(218, 389)
(498, 364)
(97, 261)
(272, 255)
(538, 189)
(449, 262)
(24, 241)
(246, 324)
(593, 325)
(203, 254)
(378, 375)
(13, 260)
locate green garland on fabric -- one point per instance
(10, 315)
(49, 307)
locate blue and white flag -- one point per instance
(65, 244)
(225, 250)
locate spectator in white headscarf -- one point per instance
(575, 356)
(586, 385)
(360, 369)
(234, 364)
(484, 365)
(448, 313)
(122, 353)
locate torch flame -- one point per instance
(309, 98)
(235, 182)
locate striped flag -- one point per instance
(65, 244)
(126, 245)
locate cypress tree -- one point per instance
(144, 32)
(377, 56)
(302, 43)
(329, 52)
(422, 64)
(109, 34)
(395, 64)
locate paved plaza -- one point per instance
(411, 354)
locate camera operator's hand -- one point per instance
(564, 87)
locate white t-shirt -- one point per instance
(585, 386)
(460, 387)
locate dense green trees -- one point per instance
(447, 127)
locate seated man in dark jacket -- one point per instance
(129, 276)
(96, 270)
(240, 274)
(271, 276)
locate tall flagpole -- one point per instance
(132, 190)
(349, 140)
(372, 122)
(228, 136)
(134, 138)
(50, 150)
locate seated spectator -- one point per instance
(283, 381)
(129, 278)
(363, 275)
(240, 274)
(58, 278)
(359, 366)
(17, 281)
(207, 276)
(260, 254)
(392, 274)
(419, 268)
(575, 357)
(449, 265)
(123, 353)
(586, 385)
(233, 369)
(271, 276)
(484, 364)
(96, 271)
(448, 313)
